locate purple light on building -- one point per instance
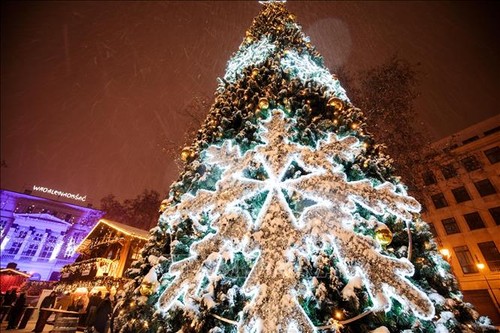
(41, 235)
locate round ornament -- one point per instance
(164, 204)
(186, 154)
(146, 289)
(383, 234)
(263, 103)
(336, 103)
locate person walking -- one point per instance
(16, 311)
(47, 302)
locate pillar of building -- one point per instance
(123, 257)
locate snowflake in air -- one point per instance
(284, 175)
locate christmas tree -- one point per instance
(287, 216)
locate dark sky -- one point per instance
(90, 89)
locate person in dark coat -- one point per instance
(94, 301)
(9, 299)
(16, 311)
(103, 314)
(48, 302)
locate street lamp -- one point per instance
(445, 253)
(481, 266)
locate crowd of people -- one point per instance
(95, 312)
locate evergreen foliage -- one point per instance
(281, 219)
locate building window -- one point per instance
(48, 247)
(493, 154)
(450, 226)
(495, 213)
(433, 229)
(491, 255)
(30, 250)
(492, 131)
(465, 259)
(469, 140)
(429, 178)
(474, 221)
(460, 194)
(448, 171)
(37, 236)
(471, 163)
(14, 248)
(439, 200)
(484, 187)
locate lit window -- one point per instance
(495, 213)
(460, 194)
(448, 171)
(465, 259)
(450, 226)
(471, 163)
(491, 255)
(484, 187)
(474, 221)
(439, 200)
(493, 154)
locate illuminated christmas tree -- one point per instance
(287, 217)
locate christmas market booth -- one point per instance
(11, 278)
(104, 256)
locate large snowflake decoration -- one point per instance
(288, 172)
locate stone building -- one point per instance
(41, 235)
(462, 191)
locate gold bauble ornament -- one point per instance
(383, 234)
(186, 154)
(263, 103)
(336, 103)
(164, 204)
(255, 72)
(146, 289)
(354, 126)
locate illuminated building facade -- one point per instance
(463, 210)
(104, 256)
(40, 235)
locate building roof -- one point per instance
(10, 271)
(126, 229)
(123, 228)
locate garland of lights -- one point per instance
(284, 210)
(320, 179)
(342, 322)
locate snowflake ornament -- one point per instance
(284, 173)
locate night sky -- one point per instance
(89, 90)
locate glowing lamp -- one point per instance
(81, 290)
(445, 253)
(338, 314)
(480, 265)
